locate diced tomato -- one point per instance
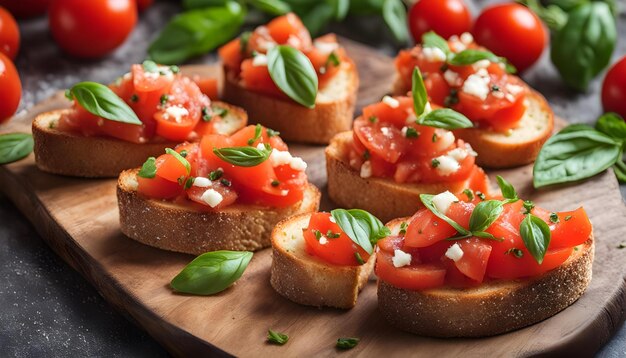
(572, 229)
(144, 81)
(208, 86)
(418, 277)
(158, 188)
(390, 243)
(426, 229)
(170, 168)
(383, 112)
(228, 196)
(289, 29)
(335, 250)
(231, 54)
(473, 263)
(257, 78)
(437, 88)
(383, 140)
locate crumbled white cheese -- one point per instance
(470, 150)
(443, 201)
(323, 240)
(447, 165)
(391, 102)
(259, 60)
(401, 258)
(458, 154)
(294, 41)
(410, 118)
(454, 253)
(366, 169)
(467, 38)
(177, 112)
(477, 84)
(325, 47)
(482, 64)
(451, 77)
(260, 146)
(404, 130)
(279, 157)
(514, 89)
(202, 182)
(456, 45)
(212, 198)
(444, 138)
(386, 132)
(298, 164)
(434, 54)
(161, 71)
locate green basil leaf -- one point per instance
(574, 155)
(363, 228)
(196, 32)
(445, 118)
(484, 214)
(258, 130)
(471, 56)
(318, 17)
(366, 7)
(293, 73)
(347, 343)
(613, 125)
(340, 7)
(553, 16)
(536, 236)
(99, 100)
(420, 97)
(427, 200)
(583, 47)
(211, 272)
(15, 146)
(620, 171)
(148, 169)
(486, 235)
(243, 156)
(507, 189)
(180, 158)
(576, 127)
(197, 4)
(431, 39)
(394, 14)
(277, 337)
(272, 7)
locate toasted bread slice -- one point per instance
(308, 280)
(72, 154)
(184, 228)
(333, 112)
(518, 146)
(382, 197)
(492, 308)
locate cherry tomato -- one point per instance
(512, 31)
(158, 188)
(336, 250)
(9, 34)
(26, 8)
(91, 29)
(418, 277)
(444, 17)
(144, 4)
(10, 88)
(614, 89)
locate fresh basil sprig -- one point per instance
(427, 200)
(257, 134)
(99, 100)
(15, 146)
(445, 118)
(575, 153)
(363, 228)
(471, 56)
(347, 343)
(211, 272)
(394, 14)
(507, 189)
(293, 73)
(582, 48)
(536, 236)
(243, 156)
(613, 125)
(180, 158)
(197, 32)
(277, 337)
(148, 169)
(484, 214)
(431, 39)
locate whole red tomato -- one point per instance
(144, 4)
(10, 88)
(93, 28)
(444, 17)
(9, 34)
(512, 31)
(614, 89)
(26, 8)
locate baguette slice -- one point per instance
(189, 229)
(495, 307)
(519, 146)
(64, 153)
(333, 112)
(382, 197)
(307, 280)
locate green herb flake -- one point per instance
(620, 246)
(359, 259)
(275, 183)
(318, 235)
(175, 69)
(403, 227)
(184, 153)
(528, 206)
(277, 337)
(258, 130)
(554, 218)
(435, 163)
(189, 182)
(347, 343)
(480, 195)
(373, 119)
(452, 98)
(469, 193)
(163, 99)
(495, 88)
(366, 155)
(206, 116)
(226, 182)
(134, 98)
(515, 252)
(272, 133)
(412, 132)
(244, 40)
(150, 66)
(332, 235)
(216, 174)
(434, 137)
(220, 111)
(148, 169)
(568, 217)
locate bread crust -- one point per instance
(169, 226)
(382, 197)
(493, 308)
(307, 280)
(295, 122)
(72, 154)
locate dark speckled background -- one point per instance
(47, 309)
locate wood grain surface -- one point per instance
(79, 219)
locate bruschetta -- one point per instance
(149, 109)
(316, 262)
(511, 120)
(393, 155)
(508, 265)
(223, 193)
(248, 83)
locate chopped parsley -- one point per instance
(412, 133)
(216, 174)
(174, 69)
(528, 206)
(469, 193)
(134, 98)
(275, 183)
(206, 116)
(495, 88)
(480, 195)
(554, 218)
(515, 252)
(332, 235)
(244, 39)
(164, 99)
(452, 98)
(189, 182)
(318, 235)
(219, 111)
(226, 182)
(434, 137)
(272, 133)
(403, 227)
(332, 59)
(373, 119)
(568, 217)
(359, 259)
(183, 153)
(277, 337)
(435, 163)
(366, 155)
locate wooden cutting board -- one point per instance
(78, 218)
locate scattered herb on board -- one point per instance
(347, 343)
(276, 337)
